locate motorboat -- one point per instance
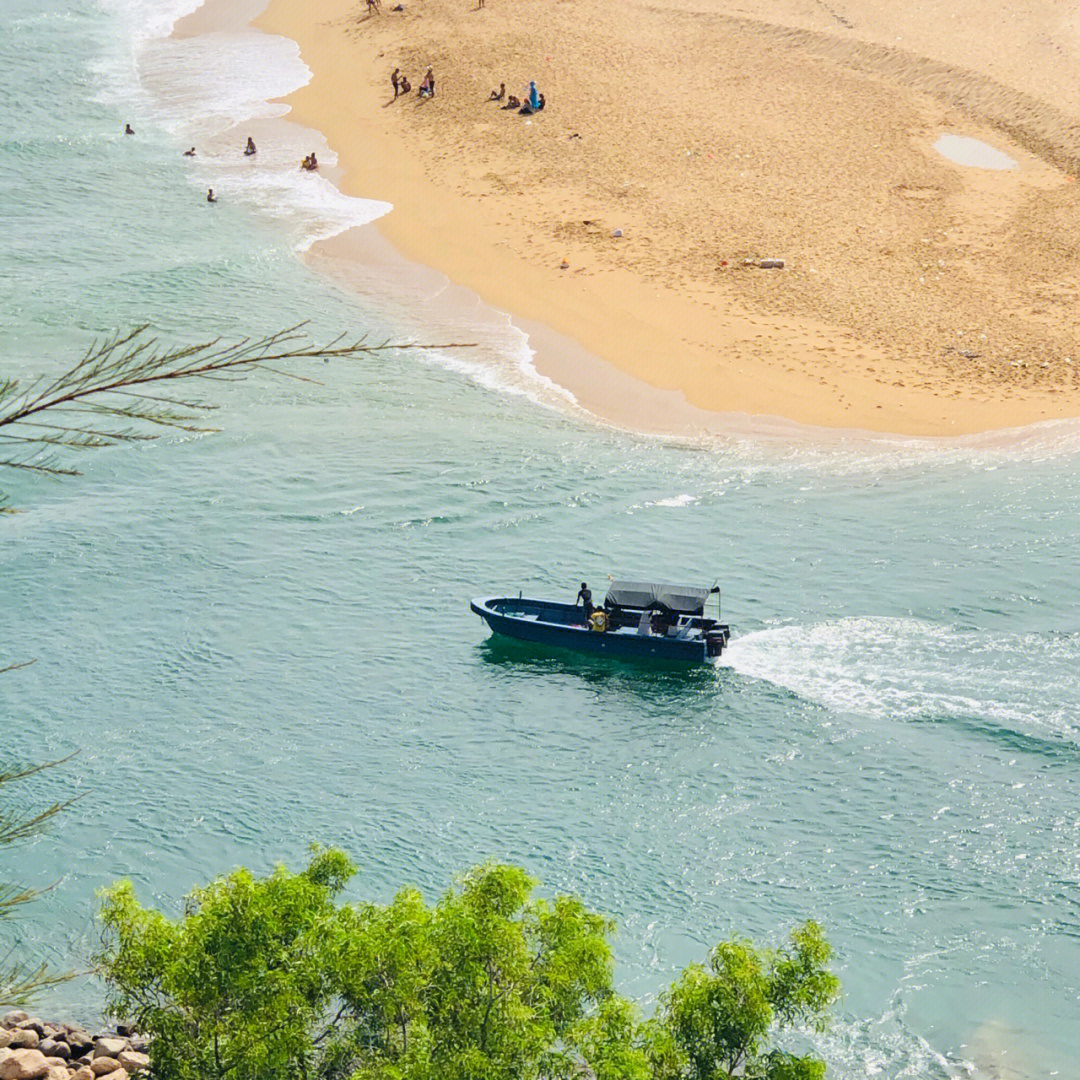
(638, 621)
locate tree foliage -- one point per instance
(721, 1017)
(20, 981)
(273, 978)
(236, 987)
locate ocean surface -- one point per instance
(260, 638)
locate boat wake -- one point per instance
(913, 670)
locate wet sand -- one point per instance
(918, 296)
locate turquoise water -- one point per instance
(260, 638)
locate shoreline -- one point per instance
(635, 351)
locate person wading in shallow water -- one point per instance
(210, 196)
(584, 597)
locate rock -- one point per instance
(57, 1072)
(14, 1018)
(771, 264)
(84, 1059)
(139, 1043)
(25, 1063)
(33, 1023)
(81, 1042)
(617, 233)
(120, 1074)
(102, 1065)
(54, 1048)
(51, 1061)
(26, 1037)
(133, 1061)
(109, 1047)
(5, 1038)
(84, 1072)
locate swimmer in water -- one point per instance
(210, 196)
(190, 153)
(250, 148)
(128, 130)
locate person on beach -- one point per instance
(498, 95)
(512, 103)
(394, 82)
(406, 86)
(584, 598)
(190, 153)
(310, 164)
(249, 150)
(210, 196)
(534, 102)
(128, 130)
(427, 85)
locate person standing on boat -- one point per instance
(584, 597)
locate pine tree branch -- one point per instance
(112, 378)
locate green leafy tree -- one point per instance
(383, 961)
(272, 979)
(611, 1043)
(720, 1019)
(239, 985)
(513, 974)
(491, 982)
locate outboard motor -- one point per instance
(715, 640)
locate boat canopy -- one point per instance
(678, 599)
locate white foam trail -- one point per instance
(208, 91)
(908, 669)
(677, 500)
(885, 1048)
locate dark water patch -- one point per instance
(1057, 747)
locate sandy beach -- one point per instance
(918, 295)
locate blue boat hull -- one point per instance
(563, 625)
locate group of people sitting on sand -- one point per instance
(310, 163)
(401, 84)
(534, 100)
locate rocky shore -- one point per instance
(33, 1049)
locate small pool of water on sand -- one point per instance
(974, 152)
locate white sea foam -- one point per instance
(909, 669)
(212, 91)
(209, 91)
